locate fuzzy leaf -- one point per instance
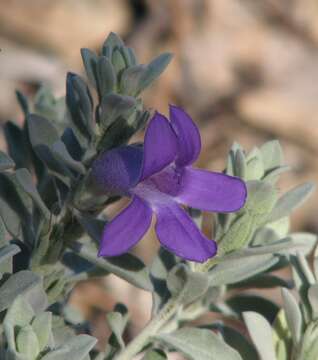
(5, 162)
(41, 325)
(198, 344)
(27, 342)
(272, 155)
(291, 200)
(293, 316)
(155, 354)
(261, 334)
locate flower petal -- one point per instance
(189, 140)
(118, 169)
(160, 146)
(211, 191)
(179, 234)
(126, 229)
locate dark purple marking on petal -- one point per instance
(118, 170)
(160, 146)
(189, 140)
(178, 233)
(126, 229)
(211, 191)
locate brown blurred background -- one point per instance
(245, 70)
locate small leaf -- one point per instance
(291, 200)
(293, 316)
(155, 354)
(272, 155)
(117, 321)
(90, 63)
(313, 300)
(105, 76)
(6, 254)
(232, 271)
(59, 151)
(25, 180)
(41, 325)
(261, 334)
(27, 342)
(126, 266)
(76, 348)
(187, 285)
(17, 284)
(198, 344)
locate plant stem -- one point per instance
(151, 329)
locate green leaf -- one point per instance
(113, 106)
(25, 180)
(76, 348)
(254, 166)
(41, 325)
(61, 153)
(263, 281)
(155, 354)
(17, 284)
(291, 200)
(293, 315)
(135, 79)
(112, 41)
(117, 321)
(127, 266)
(19, 314)
(6, 254)
(27, 342)
(272, 155)
(6, 162)
(232, 271)
(105, 76)
(90, 63)
(261, 334)
(187, 285)
(236, 340)
(198, 344)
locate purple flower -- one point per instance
(159, 178)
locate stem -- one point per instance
(140, 341)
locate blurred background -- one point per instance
(246, 71)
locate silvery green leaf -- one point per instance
(118, 60)
(90, 63)
(6, 254)
(254, 166)
(159, 269)
(135, 79)
(232, 271)
(130, 56)
(264, 236)
(113, 106)
(41, 325)
(281, 226)
(18, 148)
(27, 342)
(261, 334)
(273, 175)
(61, 153)
(5, 162)
(155, 354)
(19, 314)
(112, 41)
(105, 76)
(117, 321)
(291, 200)
(2, 233)
(126, 266)
(80, 105)
(198, 344)
(25, 180)
(76, 348)
(17, 284)
(236, 340)
(261, 198)
(313, 300)
(240, 164)
(154, 69)
(272, 155)
(185, 284)
(14, 210)
(282, 337)
(315, 265)
(293, 315)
